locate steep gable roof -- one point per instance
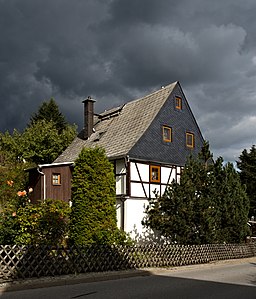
(118, 129)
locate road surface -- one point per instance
(232, 279)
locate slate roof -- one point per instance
(118, 129)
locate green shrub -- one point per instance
(45, 223)
(93, 214)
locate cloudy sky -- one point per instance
(118, 50)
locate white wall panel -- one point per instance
(144, 171)
(121, 184)
(137, 189)
(118, 213)
(165, 173)
(154, 188)
(133, 172)
(134, 213)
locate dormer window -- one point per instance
(154, 174)
(190, 140)
(178, 103)
(167, 134)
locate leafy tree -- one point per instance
(209, 205)
(42, 143)
(45, 223)
(247, 166)
(93, 213)
(39, 143)
(12, 177)
(49, 111)
(10, 147)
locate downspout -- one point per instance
(44, 187)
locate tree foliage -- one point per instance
(12, 177)
(47, 135)
(208, 205)
(27, 224)
(93, 213)
(247, 166)
(49, 112)
(233, 204)
(42, 141)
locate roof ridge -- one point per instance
(138, 99)
(154, 92)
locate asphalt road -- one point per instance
(236, 280)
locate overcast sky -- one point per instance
(118, 50)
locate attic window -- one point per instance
(56, 179)
(167, 134)
(178, 103)
(154, 174)
(190, 140)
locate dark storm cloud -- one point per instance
(118, 50)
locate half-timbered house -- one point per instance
(148, 140)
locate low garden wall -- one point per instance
(21, 262)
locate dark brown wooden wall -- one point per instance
(62, 191)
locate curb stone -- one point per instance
(45, 282)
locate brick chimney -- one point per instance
(88, 116)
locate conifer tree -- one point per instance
(209, 205)
(49, 111)
(93, 214)
(184, 214)
(247, 166)
(234, 207)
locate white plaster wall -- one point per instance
(154, 188)
(137, 189)
(143, 170)
(134, 213)
(120, 184)
(165, 173)
(118, 213)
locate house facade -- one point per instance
(148, 141)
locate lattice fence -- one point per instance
(37, 261)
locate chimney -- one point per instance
(88, 116)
